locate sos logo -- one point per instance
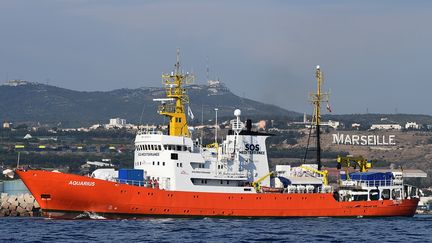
(252, 147)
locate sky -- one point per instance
(375, 55)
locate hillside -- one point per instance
(34, 102)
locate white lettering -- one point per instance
(355, 139)
(378, 140)
(371, 140)
(348, 140)
(82, 183)
(392, 140)
(338, 138)
(364, 140)
(384, 141)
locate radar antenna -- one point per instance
(173, 105)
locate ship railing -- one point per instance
(134, 182)
(376, 183)
(149, 132)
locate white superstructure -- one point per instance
(180, 163)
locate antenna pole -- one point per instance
(208, 70)
(177, 97)
(318, 116)
(177, 65)
(202, 123)
(216, 125)
(316, 99)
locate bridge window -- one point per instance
(165, 147)
(374, 194)
(385, 194)
(159, 147)
(396, 194)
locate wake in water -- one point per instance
(89, 215)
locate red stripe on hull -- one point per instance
(60, 192)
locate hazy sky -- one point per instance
(375, 55)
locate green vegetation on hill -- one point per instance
(68, 108)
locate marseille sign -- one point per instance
(365, 140)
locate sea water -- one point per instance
(397, 229)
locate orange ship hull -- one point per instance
(63, 195)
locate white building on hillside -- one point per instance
(412, 125)
(355, 126)
(391, 126)
(117, 122)
(333, 124)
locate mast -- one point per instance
(177, 98)
(316, 99)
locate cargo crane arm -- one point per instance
(354, 161)
(324, 173)
(257, 184)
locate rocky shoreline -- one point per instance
(23, 205)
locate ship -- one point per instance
(175, 175)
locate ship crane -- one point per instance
(324, 173)
(354, 161)
(257, 184)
